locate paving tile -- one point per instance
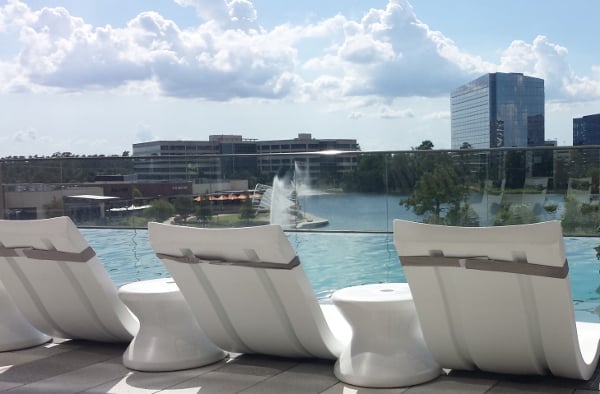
(150, 382)
(258, 365)
(343, 388)
(514, 387)
(16, 357)
(77, 380)
(80, 366)
(57, 364)
(216, 382)
(314, 376)
(114, 349)
(451, 384)
(5, 386)
(139, 382)
(513, 381)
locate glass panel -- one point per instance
(337, 207)
(319, 191)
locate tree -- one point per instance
(403, 173)
(135, 194)
(515, 165)
(580, 218)
(466, 145)
(160, 210)
(204, 210)
(191, 171)
(425, 145)
(515, 214)
(247, 210)
(436, 190)
(184, 206)
(370, 174)
(462, 215)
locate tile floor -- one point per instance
(86, 367)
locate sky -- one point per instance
(95, 77)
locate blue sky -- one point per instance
(89, 76)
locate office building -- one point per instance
(193, 160)
(498, 110)
(203, 161)
(586, 130)
(314, 166)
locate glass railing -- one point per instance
(337, 207)
(321, 191)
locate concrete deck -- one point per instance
(86, 367)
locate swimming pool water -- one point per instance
(584, 273)
(333, 261)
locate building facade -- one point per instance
(223, 157)
(498, 110)
(586, 130)
(314, 166)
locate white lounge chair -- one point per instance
(496, 299)
(59, 285)
(16, 332)
(248, 291)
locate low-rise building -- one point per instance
(232, 156)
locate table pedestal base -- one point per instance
(387, 347)
(169, 338)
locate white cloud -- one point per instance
(386, 54)
(63, 52)
(242, 12)
(207, 9)
(144, 133)
(584, 88)
(376, 109)
(390, 113)
(13, 14)
(391, 53)
(542, 59)
(29, 136)
(25, 135)
(363, 49)
(437, 115)
(236, 14)
(545, 59)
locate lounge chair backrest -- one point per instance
(247, 289)
(58, 283)
(494, 298)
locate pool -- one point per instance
(355, 259)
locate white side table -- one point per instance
(169, 338)
(387, 347)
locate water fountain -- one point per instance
(283, 200)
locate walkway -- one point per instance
(76, 366)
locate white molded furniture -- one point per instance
(169, 338)
(58, 284)
(248, 291)
(387, 347)
(496, 299)
(16, 332)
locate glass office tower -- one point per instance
(498, 110)
(586, 130)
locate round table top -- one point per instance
(377, 292)
(151, 286)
